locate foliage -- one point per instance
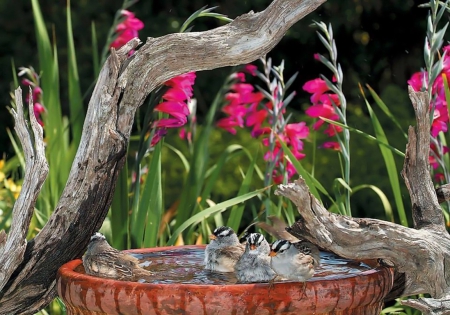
(161, 202)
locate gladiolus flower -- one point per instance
(333, 145)
(127, 29)
(174, 104)
(317, 87)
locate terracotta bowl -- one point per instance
(361, 293)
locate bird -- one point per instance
(102, 260)
(254, 264)
(294, 261)
(224, 250)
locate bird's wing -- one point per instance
(124, 264)
(231, 252)
(310, 249)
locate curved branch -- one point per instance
(12, 246)
(421, 256)
(123, 85)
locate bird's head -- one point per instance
(224, 235)
(279, 247)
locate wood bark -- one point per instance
(420, 255)
(28, 269)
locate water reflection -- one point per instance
(185, 265)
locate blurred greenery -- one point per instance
(367, 33)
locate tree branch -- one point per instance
(13, 245)
(420, 256)
(122, 87)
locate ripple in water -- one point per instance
(186, 266)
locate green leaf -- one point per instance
(365, 135)
(312, 183)
(75, 98)
(147, 207)
(152, 199)
(119, 211)
(384, 200)
(237, 212)
(385, 109)
(180, 155)
(390, 165)
(199, 217)
(203, 12)
(95, 56)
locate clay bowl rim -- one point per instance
(67, 271)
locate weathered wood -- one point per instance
(13, 245)
(123, 85)
(420, 256)
(443, 193)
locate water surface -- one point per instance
(185, 265)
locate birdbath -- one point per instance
(181, 285)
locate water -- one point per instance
(185, 265)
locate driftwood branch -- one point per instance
(420, 256)
(12, 246)
(122, 86)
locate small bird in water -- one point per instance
(102, 260)
(254, 265)
(224, 250)
(294, 261)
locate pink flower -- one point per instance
(174, 104)
(333, 145)
(251, 69)
(296, 132)
(33, 80)
(158, 135)
(229, 124)
(38, 109)
(317, 87)
(127, 29)
(417, 80)
(323, 106)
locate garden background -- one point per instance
(379, 43)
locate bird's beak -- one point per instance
(252, 247)
(272, 253)
(212, 237)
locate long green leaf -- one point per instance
(152, 198)
(199, 217)
(147, 206)
(390, 165)
(75, 97)
(237, 212)
(311, 182)
(119, 211)
(385, 109)
(384, 200)
(365, 135)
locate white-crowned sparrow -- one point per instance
(294, 261)
(254, 265)
(224, 250)
(102, 260)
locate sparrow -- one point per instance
(294, 261)
(224, 250)
(102, 260)
(254, 264)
